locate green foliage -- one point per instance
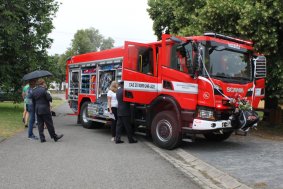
(11, 119)
(174, 16)
(259, 21)
(90, 40)
(24, 30)
(162, 14)
(58, 68)
(107, 43)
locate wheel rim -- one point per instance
(164, 130)
(84, 116)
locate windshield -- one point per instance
(222, 61)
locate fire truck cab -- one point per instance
(177, 87)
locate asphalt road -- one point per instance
(88, 159)
(84, 159)
(254, 161)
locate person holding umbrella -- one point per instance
(41, 99)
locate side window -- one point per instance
(178, 58)
(181, 57)
(145, 60)
(140, 59)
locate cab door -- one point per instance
(140, 73)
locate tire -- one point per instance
(83, 116)
(217, 137)
(165, 131)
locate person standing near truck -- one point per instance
(31, 111)
(112, 106)
(123, 117)
(42, 98)
(25, 113)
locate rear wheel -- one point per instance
(218, 137)
(165, 130)
(83, 116)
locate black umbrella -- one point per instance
(36, 74)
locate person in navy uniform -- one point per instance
(41, 100)
(123, 114)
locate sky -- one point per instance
(122, 20)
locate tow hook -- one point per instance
(225, 124)
(241, 132)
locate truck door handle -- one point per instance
(129, 94)
(167, 85)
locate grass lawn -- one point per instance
(11, 117)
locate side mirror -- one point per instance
(195, 62)
(260, 67)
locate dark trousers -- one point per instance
(47, 119)
(124, 121)
(114, 122)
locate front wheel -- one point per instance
(218, 137)
(165, 131)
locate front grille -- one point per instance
(223, 115)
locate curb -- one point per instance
(205, 175)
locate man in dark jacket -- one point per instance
(124, 114)
(41, 99)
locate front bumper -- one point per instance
(205, 125)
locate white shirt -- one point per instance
(114, 102)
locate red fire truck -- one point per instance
(177, 87)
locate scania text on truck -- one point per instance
(177, 87)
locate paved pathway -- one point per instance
(84, 159)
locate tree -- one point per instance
(107, 43)
(174, 16)
(24, 30)
(259, 21)
(60, 74)
(90, 40)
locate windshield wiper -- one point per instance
(230, 77)
(221, 76)
(242, 78)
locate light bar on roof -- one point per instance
(220, 36)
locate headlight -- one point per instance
(206, 114)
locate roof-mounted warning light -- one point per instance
(220, 36)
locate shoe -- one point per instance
(113, 139)
(119, 141)
(32, 138)
(133, 141)
(26, 126)
(57, 137)
(35, 137)
(43, 140)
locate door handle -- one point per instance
(129, 94)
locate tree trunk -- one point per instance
(273, 116)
